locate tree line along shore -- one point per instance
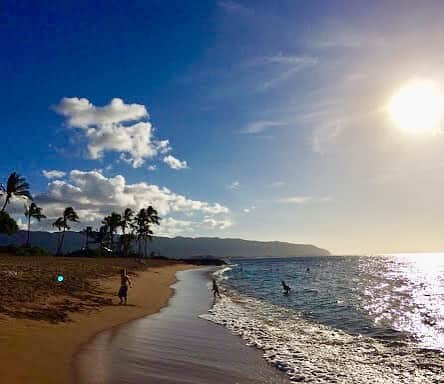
(136, 228)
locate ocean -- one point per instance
(346, 319)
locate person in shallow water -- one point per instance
(125, 282)
(287, 289)
(215, 289)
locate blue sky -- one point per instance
(273, 112)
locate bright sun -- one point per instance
(418, 106)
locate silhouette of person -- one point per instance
(215, 289)
(125, 282)
(287, 289)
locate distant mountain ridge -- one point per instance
(180, 247)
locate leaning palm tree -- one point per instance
(16, 186)
(32, 212)
(62, 225)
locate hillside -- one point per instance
(181, 247)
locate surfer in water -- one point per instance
(287, 289)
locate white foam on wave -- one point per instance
(220, 273)
(311, 352)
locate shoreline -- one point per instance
(174, 346)
(35, 351)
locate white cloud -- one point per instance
(81, 113)
(152, 167)
(117, 127)
(174, 227)
(93, 196)
(293, 60)
(302, 200)
(54, 174)
(285, 67)
(260, 126)
(174, 163)
(234, 185)
(213, 223)
(325, 134)
(249, 209)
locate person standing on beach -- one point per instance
(125, 282)
(215, 289)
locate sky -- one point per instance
(249, 119)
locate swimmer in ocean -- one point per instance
(287, 289)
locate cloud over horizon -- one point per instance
(94, 196)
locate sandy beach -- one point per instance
(42, 351)
(174, 346)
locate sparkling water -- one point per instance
(387, 297)
(346, 319)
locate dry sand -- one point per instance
(38, 351)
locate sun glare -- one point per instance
(418, 106)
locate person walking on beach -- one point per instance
(125, 282)
(215, 289)
(287, 289)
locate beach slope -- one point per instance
(42, 351)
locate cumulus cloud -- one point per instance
(93, 196)
(118, 127)
(54, 174)
(81, 113)
(174, 163)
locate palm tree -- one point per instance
(126, 222)
(144, 219)
(62, 225)
(113, 222)
(32, 212)
(152, 217)
(16, 186)
(127, 218)
(88, 231)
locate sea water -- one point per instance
(347, 319)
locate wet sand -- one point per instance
(174, 346)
